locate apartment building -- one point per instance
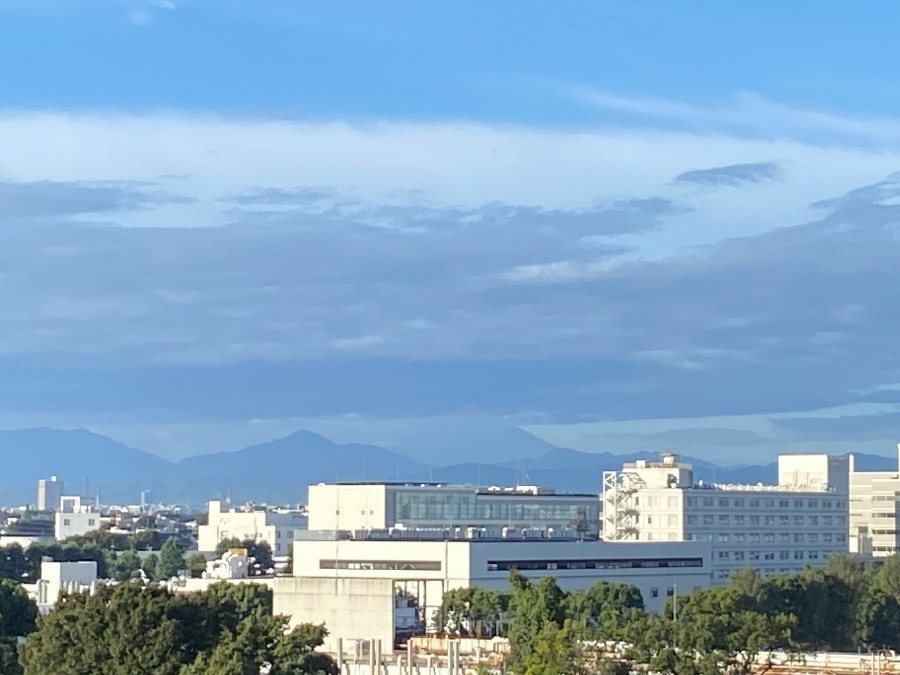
(74, 519)
(774, 528)
(49, 493)
(875, 511)
(492, 511)
(277, 527)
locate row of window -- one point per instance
(770, 537)
(767, 555)
(594, 564)
(460, 507)
(420, 565)
(722, 575)
(783, 520)
(756, 503)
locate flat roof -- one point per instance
(500, 491)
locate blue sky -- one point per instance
(625, 226)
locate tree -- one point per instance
(125, 565)
(171, 560)
(130, 628)
(606, 608)
(150, 566)
(196, 563)
(17, 611)
(13, 563)
(532, 607)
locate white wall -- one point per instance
(74, 524)
(350, 608)
(347, 507)
(276, 529)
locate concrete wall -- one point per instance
(74, 524)
(276, 529)
(347, 507)
(350, 608)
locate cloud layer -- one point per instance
(225, 267)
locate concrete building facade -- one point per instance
(275, 527)
(74, 519)
(363, 585)
(875, 512)
(49, 493)
(773, 528)
(414, 506)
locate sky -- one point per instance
(623, 226)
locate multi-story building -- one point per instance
(493, 511)
(875, 512)
(363, 585)
(74, 519)
(49, 493)
(277, 527)
(773, 528)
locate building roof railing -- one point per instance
(761, 487)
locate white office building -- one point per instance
(363, 586)
(774, 528)
(492, 511)
(49, 493)
(277, 527)
(875, 511)
(74, 519)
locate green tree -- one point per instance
(125, 565)
(171, 559)
(13, 562)
(606, 608)
(196, 563)
(532, 607)
(17, 611)
(150, 566)
(258, 552)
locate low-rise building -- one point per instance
(492, 511)
(773, 528)
(364, 585)
(277, 527)
(74, 519)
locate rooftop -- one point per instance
(447, 534)
(493, 490)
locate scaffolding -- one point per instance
(621, 516)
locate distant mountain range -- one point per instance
(280, 471)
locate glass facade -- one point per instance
(417, 507)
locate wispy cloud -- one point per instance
(749, 113)
(733, 175)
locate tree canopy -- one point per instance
(133, 628)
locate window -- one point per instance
(739, 520)
(691, 520)
(826, 504)
(278, 534)
(724, 555)
(813, 555)
(827, 520)
(673, 520)
(723, 520)
(769, 503)
(798, 521)
(754, 537)
(691, 501)
(769, 537)
(723, 537)
(812, 520)
(738, 536)
(708, 520)
(654, 592)
(841, 520)
(798, 555)
(784, 538)
(91, 522)
(739, 503)
(812, 537)
(783, 520)
(707, 501)
(784, 555)
(798, 503)
(769, 520)
(840, 536)
(754, 520)
(423, 565)
(812, 504)
(827, 538)
(738, 555)
(66, 522)
(754, 555)
(723, 503)
(754, 503)
(798, 538)
(769, 555)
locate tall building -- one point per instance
(493, 512)
(773, 528)
(48, 494)
(275, 527)
(875, 512)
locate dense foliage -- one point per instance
(133, 628)
(258, 552)
(841, 607)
